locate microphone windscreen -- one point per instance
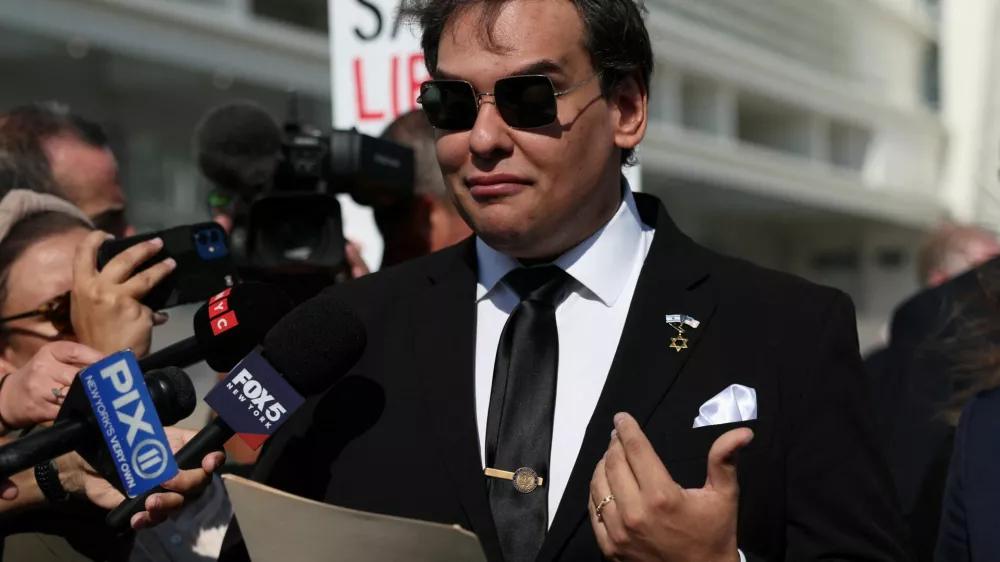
(316, 344)
(238, 146)
(173, 393)
(229, 328)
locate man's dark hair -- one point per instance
(23, 131)
(617, 39)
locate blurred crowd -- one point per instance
(60, 199)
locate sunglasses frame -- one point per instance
(556, 94)
(56, 310)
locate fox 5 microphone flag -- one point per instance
(129, 423)
(254, 400)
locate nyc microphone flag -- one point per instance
(129, 423)
(254, 400)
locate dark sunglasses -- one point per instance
(56, 311)
(524, 102)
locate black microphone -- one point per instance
(222, 340)
(170, 389)
(312, 347)
(239, 147)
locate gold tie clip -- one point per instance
(524, 479)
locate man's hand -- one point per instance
(79, 478)
(651, 517)
(356, 263)
(27, 396)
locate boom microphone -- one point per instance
(173, 395)
(312, 347)
(239, 146)
(226, 328)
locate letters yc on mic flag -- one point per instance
(129, 423)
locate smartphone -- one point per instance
(205, 266)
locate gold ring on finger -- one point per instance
(600, 507)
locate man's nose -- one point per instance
(490, 135)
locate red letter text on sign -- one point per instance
(224, 322)
(359, 93)
(416, 77)
(394, 80)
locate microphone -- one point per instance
(226, 328)
(172, 393)
(312, 347)
(239, 147)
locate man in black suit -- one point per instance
(495, 369)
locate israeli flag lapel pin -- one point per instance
(677, 322)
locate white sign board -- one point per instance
(377, 71)
(378, 67)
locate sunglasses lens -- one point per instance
(450, 105)
(526, 102)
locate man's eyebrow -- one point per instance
(543, 66)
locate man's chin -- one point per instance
(501, 237)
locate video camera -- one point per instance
(287, 220)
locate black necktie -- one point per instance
(522, 403)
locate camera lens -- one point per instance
(201, 238)
(214, 236)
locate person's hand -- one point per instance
(105, 308)
(651, 517)
(28, 395)
(356, 263)
(8, 491)
(79, 478)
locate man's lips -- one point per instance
(496, 185)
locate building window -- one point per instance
(932, 76)
(310, 14)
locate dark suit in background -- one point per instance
(913, 381)
(399, 435)
(972, 501)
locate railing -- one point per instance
(815, 32)
(856, 42)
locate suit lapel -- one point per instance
(673, 280)
(444, 328)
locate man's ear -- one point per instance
(630, 104)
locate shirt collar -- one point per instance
(600, 263)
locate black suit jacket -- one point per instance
(914, 380)
(972, 501)
(399, 435)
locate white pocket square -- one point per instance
(734, 404)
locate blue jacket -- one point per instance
(970, 519)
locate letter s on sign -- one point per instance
(225, 322)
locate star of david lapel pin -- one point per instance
(677, 322)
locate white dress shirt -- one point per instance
(590, 320)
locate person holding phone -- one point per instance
(52, 297)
